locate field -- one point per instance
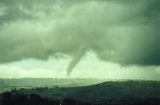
(28, 83)
(79, 92)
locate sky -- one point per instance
(111, 39)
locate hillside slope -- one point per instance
(102, 91)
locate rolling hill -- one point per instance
(106, 93)
(102, 91)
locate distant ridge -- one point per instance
(28, 83)
(102, 91)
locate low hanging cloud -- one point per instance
(120, 31)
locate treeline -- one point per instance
(9, 98)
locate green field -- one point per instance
(100, 91)
(28, 83)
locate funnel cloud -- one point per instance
(80, 53)
(125, 32)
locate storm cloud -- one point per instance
(120, 31)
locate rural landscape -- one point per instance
(79, 52)
(78, 92)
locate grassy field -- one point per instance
(101, 91)
(28, 83)
(79, 92)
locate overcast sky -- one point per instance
(114, 39)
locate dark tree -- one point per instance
(68, 102)
(6, 99)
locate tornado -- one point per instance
(78, 56)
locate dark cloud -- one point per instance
(123, 31)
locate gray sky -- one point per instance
(95, 38)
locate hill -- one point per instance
(102, 91)
(107, 93)
(28, 83)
